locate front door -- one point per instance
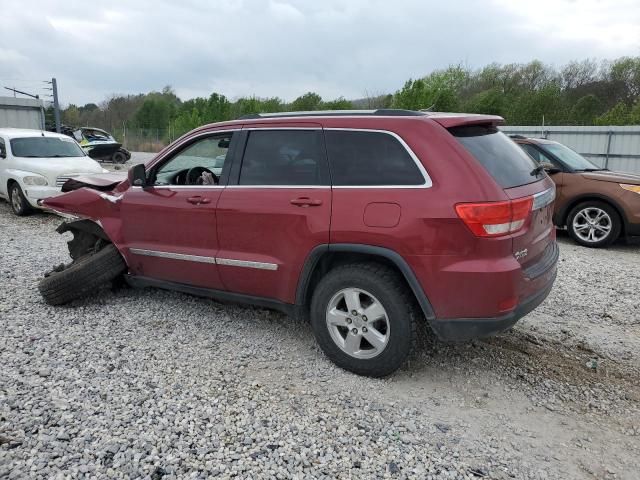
(169, 227)
(276, 209)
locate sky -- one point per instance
(284, 48)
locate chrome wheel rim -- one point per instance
(358, 323)
(15, 200)
(592, 224)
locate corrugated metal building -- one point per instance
(21, 113)
(616, 148)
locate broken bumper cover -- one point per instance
(36, 194)
(463, 329)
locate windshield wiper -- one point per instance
(536, 171)
(591, 169)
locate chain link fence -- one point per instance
(144, 139)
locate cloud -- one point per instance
(288, 47)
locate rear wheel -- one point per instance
(594, 224)
(119, 157)
(364, 318)
(19, 204)
(82, 277)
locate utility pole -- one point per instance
(56, 105)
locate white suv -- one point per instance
(35, 164)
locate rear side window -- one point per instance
(359, 158)
(284, 157)
(507, 163)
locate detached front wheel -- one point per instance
(84, 276)
(364, 318)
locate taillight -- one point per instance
(494, 219)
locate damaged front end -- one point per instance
(94, 206)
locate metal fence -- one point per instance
(616, 148)
(143, 139)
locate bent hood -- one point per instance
(100, 181)
(617, 177)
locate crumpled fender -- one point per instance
(100, 207)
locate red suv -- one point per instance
(366, 222)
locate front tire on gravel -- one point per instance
(19, 203)
(594, 224)
(364, 318)
(83, 276)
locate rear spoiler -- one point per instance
(458, 120)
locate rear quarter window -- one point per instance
(505, 161)
(362, 158)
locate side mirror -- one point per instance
(550, 168)
(137, 176)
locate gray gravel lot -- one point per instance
(155, 384)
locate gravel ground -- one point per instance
(154, 384)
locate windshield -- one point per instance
(45, 147)
(571, 159)
(97, 135)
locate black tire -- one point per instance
(615, 223)
(82, 277)
(19, 204)
(119, 157)
(397, 300)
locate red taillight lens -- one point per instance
(494, 219)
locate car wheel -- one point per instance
(82, 277)
(119, 157)
(19, 203)
(364, 318)
(594, 224)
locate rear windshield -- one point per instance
(507, 163)
(45, 147)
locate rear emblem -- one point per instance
(521, 254)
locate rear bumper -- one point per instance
(462, 329)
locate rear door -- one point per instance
(276, 209)
(170, 228)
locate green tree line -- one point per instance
(579, 93)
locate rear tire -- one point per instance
(19, 203)
(594, 224)
(83, 276)
(393, 329)
(119, 157)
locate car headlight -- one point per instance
(631, 188)
(38, 180)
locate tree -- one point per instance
(337, 104)
(585, 110)
(307, 102)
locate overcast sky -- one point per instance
(288, 47)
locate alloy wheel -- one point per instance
(16, 201)
(592, 224)
(358, 323)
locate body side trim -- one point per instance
(204, 259)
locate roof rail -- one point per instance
(516, 135)
(388, 112)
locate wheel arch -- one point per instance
(85, 234)
(564, 214)
(325, 257)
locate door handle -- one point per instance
(306, 202)
(198, 200)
